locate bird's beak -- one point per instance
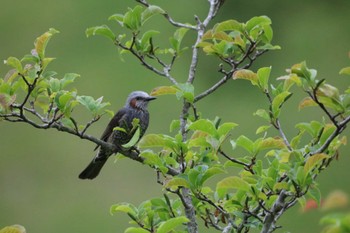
(150, 98)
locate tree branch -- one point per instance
(167, 16)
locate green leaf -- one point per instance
(102, 30)
(42, 41)
(68, 122)
(68, 78)
(262, 129)
(257, 21)
(125, 208)
(150, 11)
(278, 101)
(247, 75)
(135, 138)
(177, 182)
(232, 182)
(204, 125)
(54, 84)
(229, 25)
(186, 90)
(176, 39)
(145, 40)
(135, 230)
(315, 194)
(157, 140)
(154, 160)
(263, 114)
(15, 63)
(46, 61)
(225, 128)
(94, 106)
(171, 224)
(263, 77)
(132, 19)
(345, 70)
(245, 143)
(117, 17)
(313, 161)
(210, 172)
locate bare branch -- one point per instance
(213, 88)
(141, 58)
(167, 16)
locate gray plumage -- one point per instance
(135, 107)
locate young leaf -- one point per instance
(271, 143)
(145, 40)
(157, 140)
(177, 182)
(315, 194)
(245, 143)
(263, 77)
(204, 125)
(102, 30)
(15, 63)
(278, 101)
(154, 160)
(150, 11)
(247, 75)
(171, 224)
(263, 114)
(135, 138)
(313, 161)
(186, 90)
(210, 172)
(117, 17)
(164, 90)
(262, 129)
(225, 128)
(41, 42)
(307, 102)
(257, 21)
(345, 70)
(124, 207)
(233, 182)
(132, 19)
(175, 41)
(229, 25)
(135, 230)
(68, 78)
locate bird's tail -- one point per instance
(93, 169)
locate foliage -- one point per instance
(257, 179)
(31, 93)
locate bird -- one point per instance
(120, 130)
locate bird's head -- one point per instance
(139, 100)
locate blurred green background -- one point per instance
(39, 187)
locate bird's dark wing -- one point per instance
(116, 121)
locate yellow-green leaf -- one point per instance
(345, 70)
(233, 182)
(164, 90)
(170, 224)
(41, 42)
(313, 161)
(307, 102)
(177, 182)
(13, 229)
(247, 75)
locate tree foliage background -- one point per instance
(38, 173)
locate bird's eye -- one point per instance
(138, 98)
